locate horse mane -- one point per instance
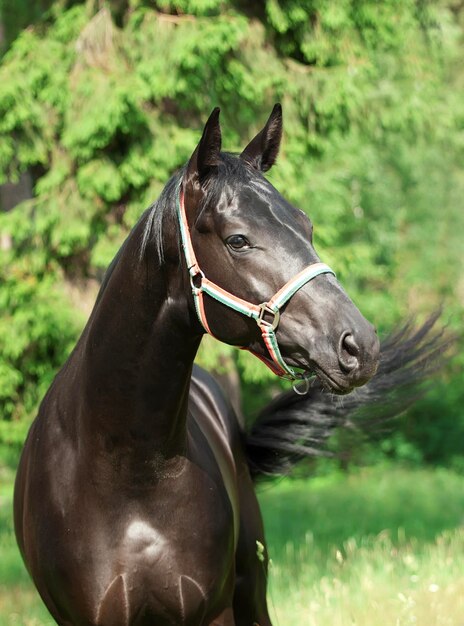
(162, 208)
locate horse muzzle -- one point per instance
(335, 342)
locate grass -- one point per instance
(383, 546)
(375, 584)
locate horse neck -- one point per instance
(137, 352)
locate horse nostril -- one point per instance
(350, 345)
(348, 352)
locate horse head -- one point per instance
(248, 242)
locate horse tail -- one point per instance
(293, 427)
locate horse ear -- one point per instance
(261, 152)
(206, 155)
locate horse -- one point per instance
(134, 499)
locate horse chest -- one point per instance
(135, 560)
(173, 573)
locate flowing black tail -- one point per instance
(293, 427)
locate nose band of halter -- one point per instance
(259, 312)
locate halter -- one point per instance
(201, 285)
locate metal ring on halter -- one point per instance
(196, 290)
(304, 391)
(263, 308)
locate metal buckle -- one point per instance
(263, 308)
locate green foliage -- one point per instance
(36, 333)
(103, 105)
(435, 426)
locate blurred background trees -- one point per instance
(101, 101)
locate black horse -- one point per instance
(134, 502)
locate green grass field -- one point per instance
(383, 546)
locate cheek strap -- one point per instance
(259, 312)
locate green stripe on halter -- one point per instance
(308, 274)
(231, 303)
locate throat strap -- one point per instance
(266, 314)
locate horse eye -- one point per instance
(237, 242)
